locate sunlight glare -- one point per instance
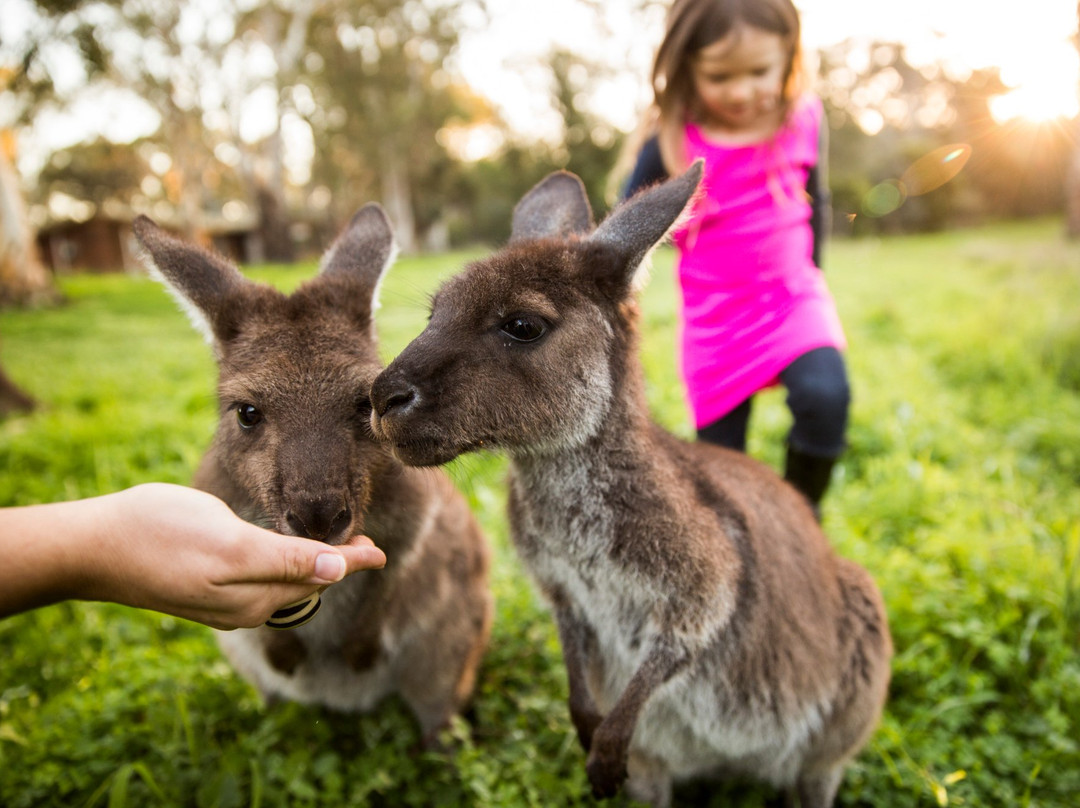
(1038, 104)
(1043, 88)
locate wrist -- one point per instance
(85, 549)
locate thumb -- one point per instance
(334, 563)
(290, 559)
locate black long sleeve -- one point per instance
(648, 170)
(817, 188)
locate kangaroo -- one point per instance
(707, 627)
(294, 453)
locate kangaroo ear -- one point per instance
(362, 253)
(201, 281)
(556, 207)
(637, 226)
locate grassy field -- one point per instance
(959, 493)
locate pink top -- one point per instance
(752, 299)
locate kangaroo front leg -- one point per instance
(606, 765)
(576, 638)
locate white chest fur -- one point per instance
(323, 677)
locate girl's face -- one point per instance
(739, 80)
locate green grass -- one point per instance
(959, 493)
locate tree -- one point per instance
(23, 278)
(12, 399)
(100, 172)
(375, 73)
(27, 83)
(590, 144)
(1072, 177)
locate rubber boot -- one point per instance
(810, 475)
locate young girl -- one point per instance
(755, 307)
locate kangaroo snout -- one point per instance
(325, 519)
(392, 395)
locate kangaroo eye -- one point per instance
(526, 328)
(248, 415)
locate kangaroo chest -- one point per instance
(564, 529)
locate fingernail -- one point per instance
(329, 567)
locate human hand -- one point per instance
(184, 552)
(171, 549)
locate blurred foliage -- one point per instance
(959, 493)
(97, 172)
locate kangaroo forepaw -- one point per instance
(606, 770)
(586, 725)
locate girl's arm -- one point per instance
(648, 170)
(817, 188)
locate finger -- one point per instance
(274, 558)
(359, 540)
(362, 554)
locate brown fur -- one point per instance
(707, 627)
(309, 467)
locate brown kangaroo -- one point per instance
(707, 627)
(294, 453)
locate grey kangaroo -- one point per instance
(708, 629)
(294, 453)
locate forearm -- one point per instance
(51, 552)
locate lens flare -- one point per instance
(933, 170)
(883, 198)
(926, 174)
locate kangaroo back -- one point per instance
(294, 452)
(707, 627)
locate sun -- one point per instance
(1036, 104)
(1043, 89)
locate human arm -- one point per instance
(817, 189)
(168, 548)
(648, 169)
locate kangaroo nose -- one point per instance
(325, 520)
(389, 394)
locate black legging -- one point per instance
(818, 397)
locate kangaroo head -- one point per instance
(293, 448)
(526, 349)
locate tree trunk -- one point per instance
(269, 191)
(1072, 176)
(273, 227)
(397, 200)
(24, 280)
(1072, 194)
(12, 399)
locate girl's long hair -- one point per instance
(691, 26)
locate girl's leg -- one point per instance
(729, 431)
(819, 398)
